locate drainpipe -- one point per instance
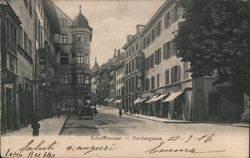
(192, 97)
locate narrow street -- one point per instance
(108, 122)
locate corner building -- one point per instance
(73, 87)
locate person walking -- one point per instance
(35, 125)
(58, 111)
(120, 112)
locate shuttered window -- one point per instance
(167, 77)
(175, 74)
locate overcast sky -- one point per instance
(111, 20)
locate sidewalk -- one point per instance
(50, 126)
(165, 120)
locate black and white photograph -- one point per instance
(124, 78)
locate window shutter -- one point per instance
(167, 77)
(178, 74)
(173, 75)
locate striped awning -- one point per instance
(153, 98)
(118, 101)
(172, 96)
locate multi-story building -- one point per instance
(119, 86)
(46, 25)
(9, 28)
(168, 85)
(103, 84)
(133, 72)
(94, 82)
(73, 88)
(164, 72)
(30, 39)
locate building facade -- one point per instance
(9, 28)
(168, 89)
(133, 74)
(46, 26)
(28, 44)
(73, 83)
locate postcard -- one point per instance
(124, 78)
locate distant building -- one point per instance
(73, 87)
(94, 82)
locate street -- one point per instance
(108, 122)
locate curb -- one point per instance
(63, 125)
(188, 122)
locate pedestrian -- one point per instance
(35, 125)
(58, 111)
(120, 112)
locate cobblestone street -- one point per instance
(108, 122)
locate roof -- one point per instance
(81, 21)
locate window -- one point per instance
(129, 67)
(152, 82)
(63, 22)
(26, 42)
(86, 59)
(42, 63)
(147, 84)
(30, 8)
(79, 58)
(26, 3)
(144, 42)
(126, 83)
(167, 77)
(175, 74)
(80, 79)
(126, 69)
(12, 64)
(158, 80)
(63, 39)
(152, 57)
(133, 65)
(30, 48)
(15, 38)
(158, 56)
(64, 58)
(133, 84)
(137, 46)
(185, 67)
(167, 20)
(173, 51)
(129, 85)
(64, 79)
(153, 34)
(175, 11)
(166, 50)
(158, 28)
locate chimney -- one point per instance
(139, 28)
(129, 37)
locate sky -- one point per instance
(111, 20)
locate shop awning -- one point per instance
(118, 101)
(137, 100)
(143, 99)
(110, 99)
(152, 99)
(172, 96)
(106, 99)
(160, 97)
